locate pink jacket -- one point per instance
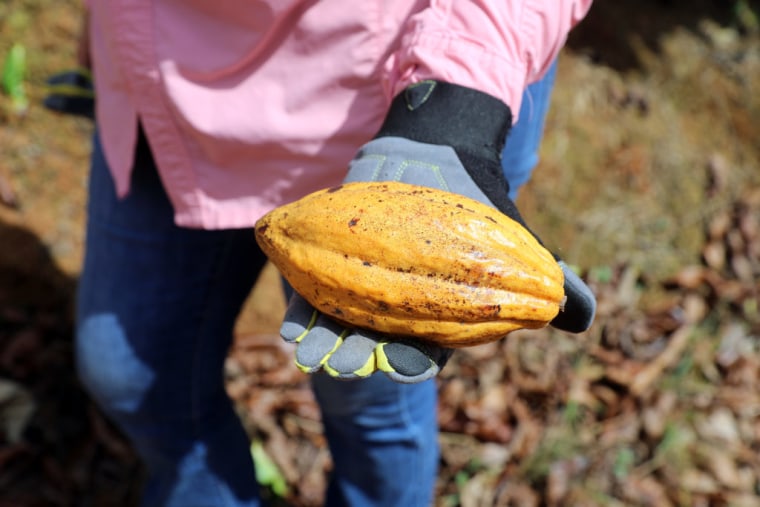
(248, 104)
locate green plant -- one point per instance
(14, 70)
(267, 472)
(746, 16)
(624, 461)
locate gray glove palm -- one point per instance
(436, 135)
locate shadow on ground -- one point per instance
(615, 31)
(55, 448)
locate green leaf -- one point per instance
(14, 70)
(624, 461)
(602, 274)
(267, 473)
(747, 16)
(573, 413)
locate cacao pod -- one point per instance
(413, 261)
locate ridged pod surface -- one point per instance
(413, 261)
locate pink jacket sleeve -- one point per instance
(495, 46)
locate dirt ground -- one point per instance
(649, 183)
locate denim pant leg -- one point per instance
(383, 438)
(156, 310)
(520, 154)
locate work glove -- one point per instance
(71, 92)
(438, 135)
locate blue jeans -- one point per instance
(520, 154)
(156, 309)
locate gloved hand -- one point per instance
(71, 92)
(437, 135)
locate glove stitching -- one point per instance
(435, 169)
(431, 85)
(380, 161)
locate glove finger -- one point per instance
(580, 307)
(354, 358)
(318, 343)
(300, 316)
(411, 361)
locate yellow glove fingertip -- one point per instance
(382, 360)
(305, 369)
(331, 371)
(365, 370)
(368, 368)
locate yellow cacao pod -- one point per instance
(413, 261)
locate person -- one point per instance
(208, 115)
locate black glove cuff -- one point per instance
(473, 123)
(436, 112)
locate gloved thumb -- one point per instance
(580, 306)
